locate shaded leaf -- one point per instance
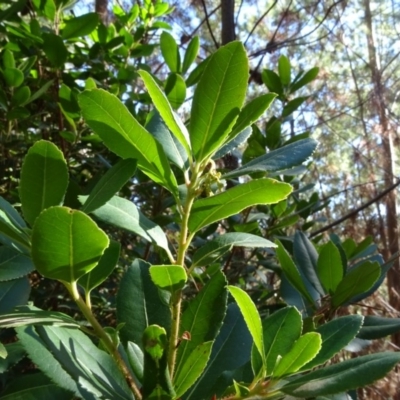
(55, 50)
(14, 293)
(378, 327)
(175, 89)
(330, 267)
(66, 244)
(80, 26)
(13, 264)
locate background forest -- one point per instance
(334, 68)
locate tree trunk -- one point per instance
(227, 21)
(101, 7)
(392, 245)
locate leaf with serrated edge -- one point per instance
(14, 264)
(123, 135)
(192, 368)
(214, 208)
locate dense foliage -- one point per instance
(219, 290)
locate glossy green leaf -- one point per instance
(329, 267)
(48, 364)
(173, 149)
(55, 50)
(357, 280)
(233, 144)
(168, 277)
(348, 374)
(306, 258)
(173, 122)
(191, 53)
(212, 249)
(8, 59)
(251, 112)
(197, 73)
(139, 303)
(175, 89)
(156, 379)
(136, 359)
(284, 69)
(192, 368)
(335, 335)
(124, 214)
(291, 272)
(214, 208)
(70, 359)
(103, 269)
(14, 293)
(230, 351)
(375, 327)
(170, 51)
(34, 386)
(218, 99)
(292, 106)
(13, 264)
(27, 315)
(272, 81)
(109, 184)
(80, 26)
(13, 77)
(252, 318)
(123, 135)
(280, 331)
(303, 350)
(44, 179)
(308, 77)
(283, 158)
(66, 244)
(203, 317)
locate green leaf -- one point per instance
(80, 26)
(378, 327)
(175, 89)
(21, 96)
(55, 50)
(46, 8)
(170, 52)
(192, 368)
(173, 149)
(13, 77)
(109, 184)
(34, 387)
(44, 179)
(272, 81)
(329, 267)
(173, 122)
(251, 112)
(303, 350)
(292, 106)
(230, 351)
(218, 99)
(156, 379)
(252, 318)
(40, 92)
(123, 135)
(357, 280)
(284, 70)
(335, 335)
(13, 264)
(212, 249)
(168, 277)
(136, 359)
(124, 214)
(283, 158)
(214, 208)
(13, 233)
(280, 331)
(306, 258)
(27, 315)
(68, 356)
(14, 293)
(233, 144)
(11, 354)
(66, 244)
(103, 269)
(308, 77)
(191, 54)
(349, 374)
(139, 303)
(8, 59)
(197, 73)
(203, 317)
